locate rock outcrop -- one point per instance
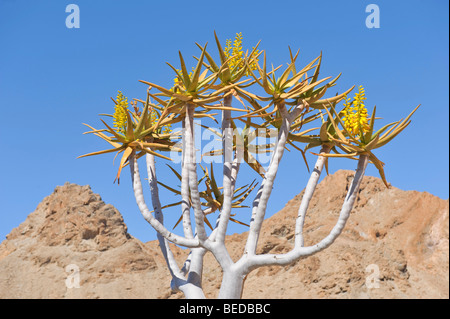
(74, 229)
(395, 245)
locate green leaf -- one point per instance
(238, 222)
(156, 154)
(321, 104)
(214, 67)
(179, 74)
(185, 73)
(282, 79)
(144, 116)
(126, 154)
(323, 132)
(336, 155)
(101, 135)
(254, 164)
(379, 165)
(197, 70)
(170, 188)
(301, 152)
(214, 187)
(335, 125)
(162, 89)
(294, 58)
(223, 59)
(316, 72)
(122, 147)
(263, 74)
(303, 89)
(372, 143)
(369, 134)
(248, 189)
(119, 137)
(381, 130)
(129, 134)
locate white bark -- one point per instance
(307, 195)
(192, 169)
(262, 197)
(192, 286)
(185, 204)
(189, 279)
(227, 146)
(190, 290)
(163, 243)
(255, 261)
(139, 196)
(232, 284)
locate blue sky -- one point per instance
(53, 79)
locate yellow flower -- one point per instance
(177, 82)
(167, 129)
(228, 49)
(236, 51)
(355, 114)
(120, 116)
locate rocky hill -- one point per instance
(395, 245)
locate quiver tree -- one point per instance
(290, 106)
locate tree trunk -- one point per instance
(232, 285)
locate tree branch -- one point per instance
(262, 197)
(255, 261)
(192, 168)
(163, 243)
(158, 226)
(191, 286)
(307, 195)
(227, 146)
(185, 203)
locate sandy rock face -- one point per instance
(395, 245)
(74, 229)
(74, 215)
